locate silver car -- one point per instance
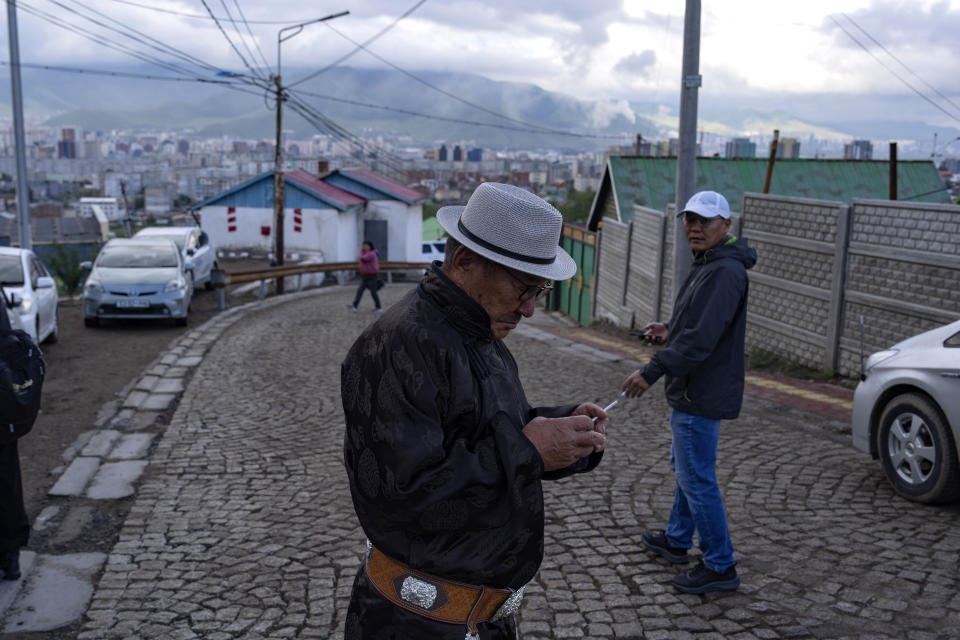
(199, 256)
(137, 278)
(906, 412)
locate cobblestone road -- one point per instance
(243, 527)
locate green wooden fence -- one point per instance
(574, 297)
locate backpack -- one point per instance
(21, 381)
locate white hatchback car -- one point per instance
(199, 256)
(435, 250)
(906, 411)
(25, 279)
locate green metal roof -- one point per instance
(649, 181)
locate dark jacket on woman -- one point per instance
(442, 477)
(704, 355)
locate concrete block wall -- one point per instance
(798, 273)
(903, 275)
(821, 266)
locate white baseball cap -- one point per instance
(707, 204)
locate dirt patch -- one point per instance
(87, 368)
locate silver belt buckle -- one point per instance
(510, 606)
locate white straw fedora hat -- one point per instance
(512, 227)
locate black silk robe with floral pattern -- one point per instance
(442, 477)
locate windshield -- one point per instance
(144, 257)
(178, 238)
(11, 270)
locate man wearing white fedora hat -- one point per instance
(444, 454)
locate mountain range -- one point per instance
(424, 108)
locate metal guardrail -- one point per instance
(222, 279)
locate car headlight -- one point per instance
(91, 287)
(26, 306)
(174, 285)
(879, 357)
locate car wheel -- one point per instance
(917, 450)
(54, 336)
(180, 322)
(91, 322)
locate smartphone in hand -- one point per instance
(648, 337)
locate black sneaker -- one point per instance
(10, 565)
(700, 579)
(656, 541)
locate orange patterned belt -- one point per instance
(439, 599)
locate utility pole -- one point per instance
(278, 181)
(128, 218)
(23, 192)
(690, 82)
(278, 199)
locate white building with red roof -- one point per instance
(324, 217)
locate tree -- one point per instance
(65, 263)
(577, 207)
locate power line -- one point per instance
(118, 74)
(161, 46)
(902, 63)
(229, 40)
(243, 40)
(444, 91)
(454, 120)
(927, 193)
(196, 16)
(266, 65)
(894, 73)
(323, 123)
(358, 47)
(110, 44)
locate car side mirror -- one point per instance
(86, 265)
(45, 282)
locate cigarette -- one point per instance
(608, 407)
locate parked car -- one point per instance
(434, 250)
(23, 275)
(137, 278)
(198, 252)
(906, 412)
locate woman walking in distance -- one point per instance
(369, 271)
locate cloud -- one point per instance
(899, 23)
(604, 112)
(637, 64)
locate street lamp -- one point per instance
(278, 152)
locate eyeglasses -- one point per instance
(529, 290)
(690, 218)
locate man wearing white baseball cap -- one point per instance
(703, 361)
(444, 454)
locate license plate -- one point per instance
(134, 303)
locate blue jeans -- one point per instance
(698, 504)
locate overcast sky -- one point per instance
(609, 50)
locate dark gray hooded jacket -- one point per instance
(704, 355)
